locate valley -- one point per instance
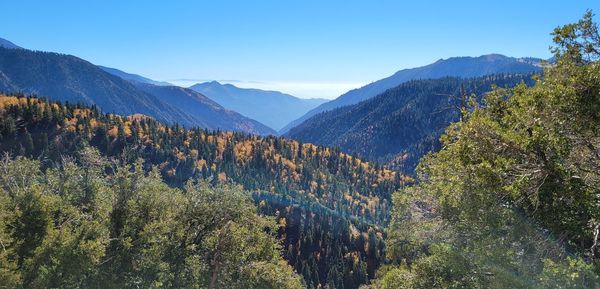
(467, 172)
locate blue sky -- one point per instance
(307, 48)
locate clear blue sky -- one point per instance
(309, 48)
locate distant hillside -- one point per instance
(273, 108)
(455, 67)
(132, 77)
(68, 78)
(7, 44)
(400, 125)
(207, 111)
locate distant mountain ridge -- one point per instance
(273, 108)
(213, 114)
(7, 44)
(131, 76)
(68, 78)
(452, 67)
(400, 125)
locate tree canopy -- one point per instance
(512, 198)
(75, 226)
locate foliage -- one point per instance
(75, 226)
(304, 185)
(511, 199)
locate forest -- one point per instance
(76, 226)
(332, 207)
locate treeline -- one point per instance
(512, 200)
(77, 226)
(347, 193)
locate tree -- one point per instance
(519, 172)
(578, 42)
(74, 226)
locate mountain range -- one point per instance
(273, 108)
(213, 105)
(317, 180)
(402, 124)
(211, 113)
(69, 78)
(454, 67)
(132, 77)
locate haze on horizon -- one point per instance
(308, 49)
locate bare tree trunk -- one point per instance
(595, 244)
(216, 262)
(215, 274)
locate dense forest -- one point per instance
(77, 226)
(512, 198)
(332, 206)
(402, 124)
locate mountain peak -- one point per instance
(485, 57)
(494, 56)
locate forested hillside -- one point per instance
(404, 123)
(99, 225)
(332, 206)
(463, 67)
(68, 78)
(512, 198)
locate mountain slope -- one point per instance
(272, 108)
(207, 111)
(131, 77)
(455, 66)
(7, 44)
(331, 206)
(400, 125)
(68, 78)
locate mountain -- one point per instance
(132, 77)
(331, 206)
(201, 107)
(7, 44)
(455, 67)
(68, 78)
(272, 108)
(400, 125)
